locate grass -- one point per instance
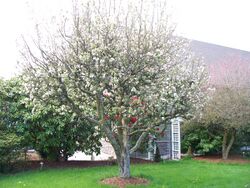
(179, 174)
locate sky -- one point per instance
(222, 22)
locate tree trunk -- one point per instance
(65, 156)
(25, 153)
(120, 145)
(124, 163)
(190, 151)
(124, 160)
(226, 147)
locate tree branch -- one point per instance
(138, 143)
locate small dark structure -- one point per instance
(168, 145)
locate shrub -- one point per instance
(200, 139)
(9, 151)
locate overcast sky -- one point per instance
(223, 22)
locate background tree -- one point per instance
(49, 129)
(231, 107)
(230, 103)
(119, 67)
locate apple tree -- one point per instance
(119, 67)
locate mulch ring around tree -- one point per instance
(218, 159)
(122, 183)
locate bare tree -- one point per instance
(230, 103)
(118, 66)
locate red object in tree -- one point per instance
(133, 119)
(157, 129)
(135, 98)
(106, 117)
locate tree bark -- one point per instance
(124, 163)
(227, 144)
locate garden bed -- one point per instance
(32, 165)
(218, 159)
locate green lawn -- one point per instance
(179, 174)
